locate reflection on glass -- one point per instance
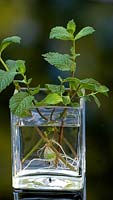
(33, 195)
(49, 154)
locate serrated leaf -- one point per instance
(71, 26)
(96, 100)
(59, 89)
(7, 41)
(60, 33)
(90, 84)
(6, 79)
(20, 103)
(60, 61)
(85, 31)
(93, 85)
(50, 99)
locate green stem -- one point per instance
(40, 112)
(61, 135)
(74, 53)
(73, 58)
(3, 63)
(70, 146)
(51, 115)
(32, 150)
(60, 138)
(75, 92)
(54, 149)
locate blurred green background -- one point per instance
(32, 20)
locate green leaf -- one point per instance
(66, 100)
(21, 66)
(60, 33)
(71, 26)
(80, 93)
(71, 79)
(93, 85)
(35, 90)
(16, 65)
(85, 31)
(50, 99)
(75, 104)
(6, 79)
(29, 81)
(59, 89)
(12, 65)
(90, 84)
(102, 89)
(20, 103)
(7, 41)
(73, 82)
(60, 61)
(96, 100)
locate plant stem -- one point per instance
(61, 135)
(43, 117)
(32, 150)
(52, 113)
(3, 63)
(70, 146)
(75, 92)
(54, 149)
(60, 138)
(39, 112)
(73, 58)
(6, 68)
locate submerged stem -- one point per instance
(67, 143)
(54, 149)
(59, 142)
(32, 150)
(43, 117)
(61, 134)
(70, 146)
(52, 113)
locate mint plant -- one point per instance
(88, 87)
(23, 100)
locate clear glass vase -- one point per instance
(48, 149)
